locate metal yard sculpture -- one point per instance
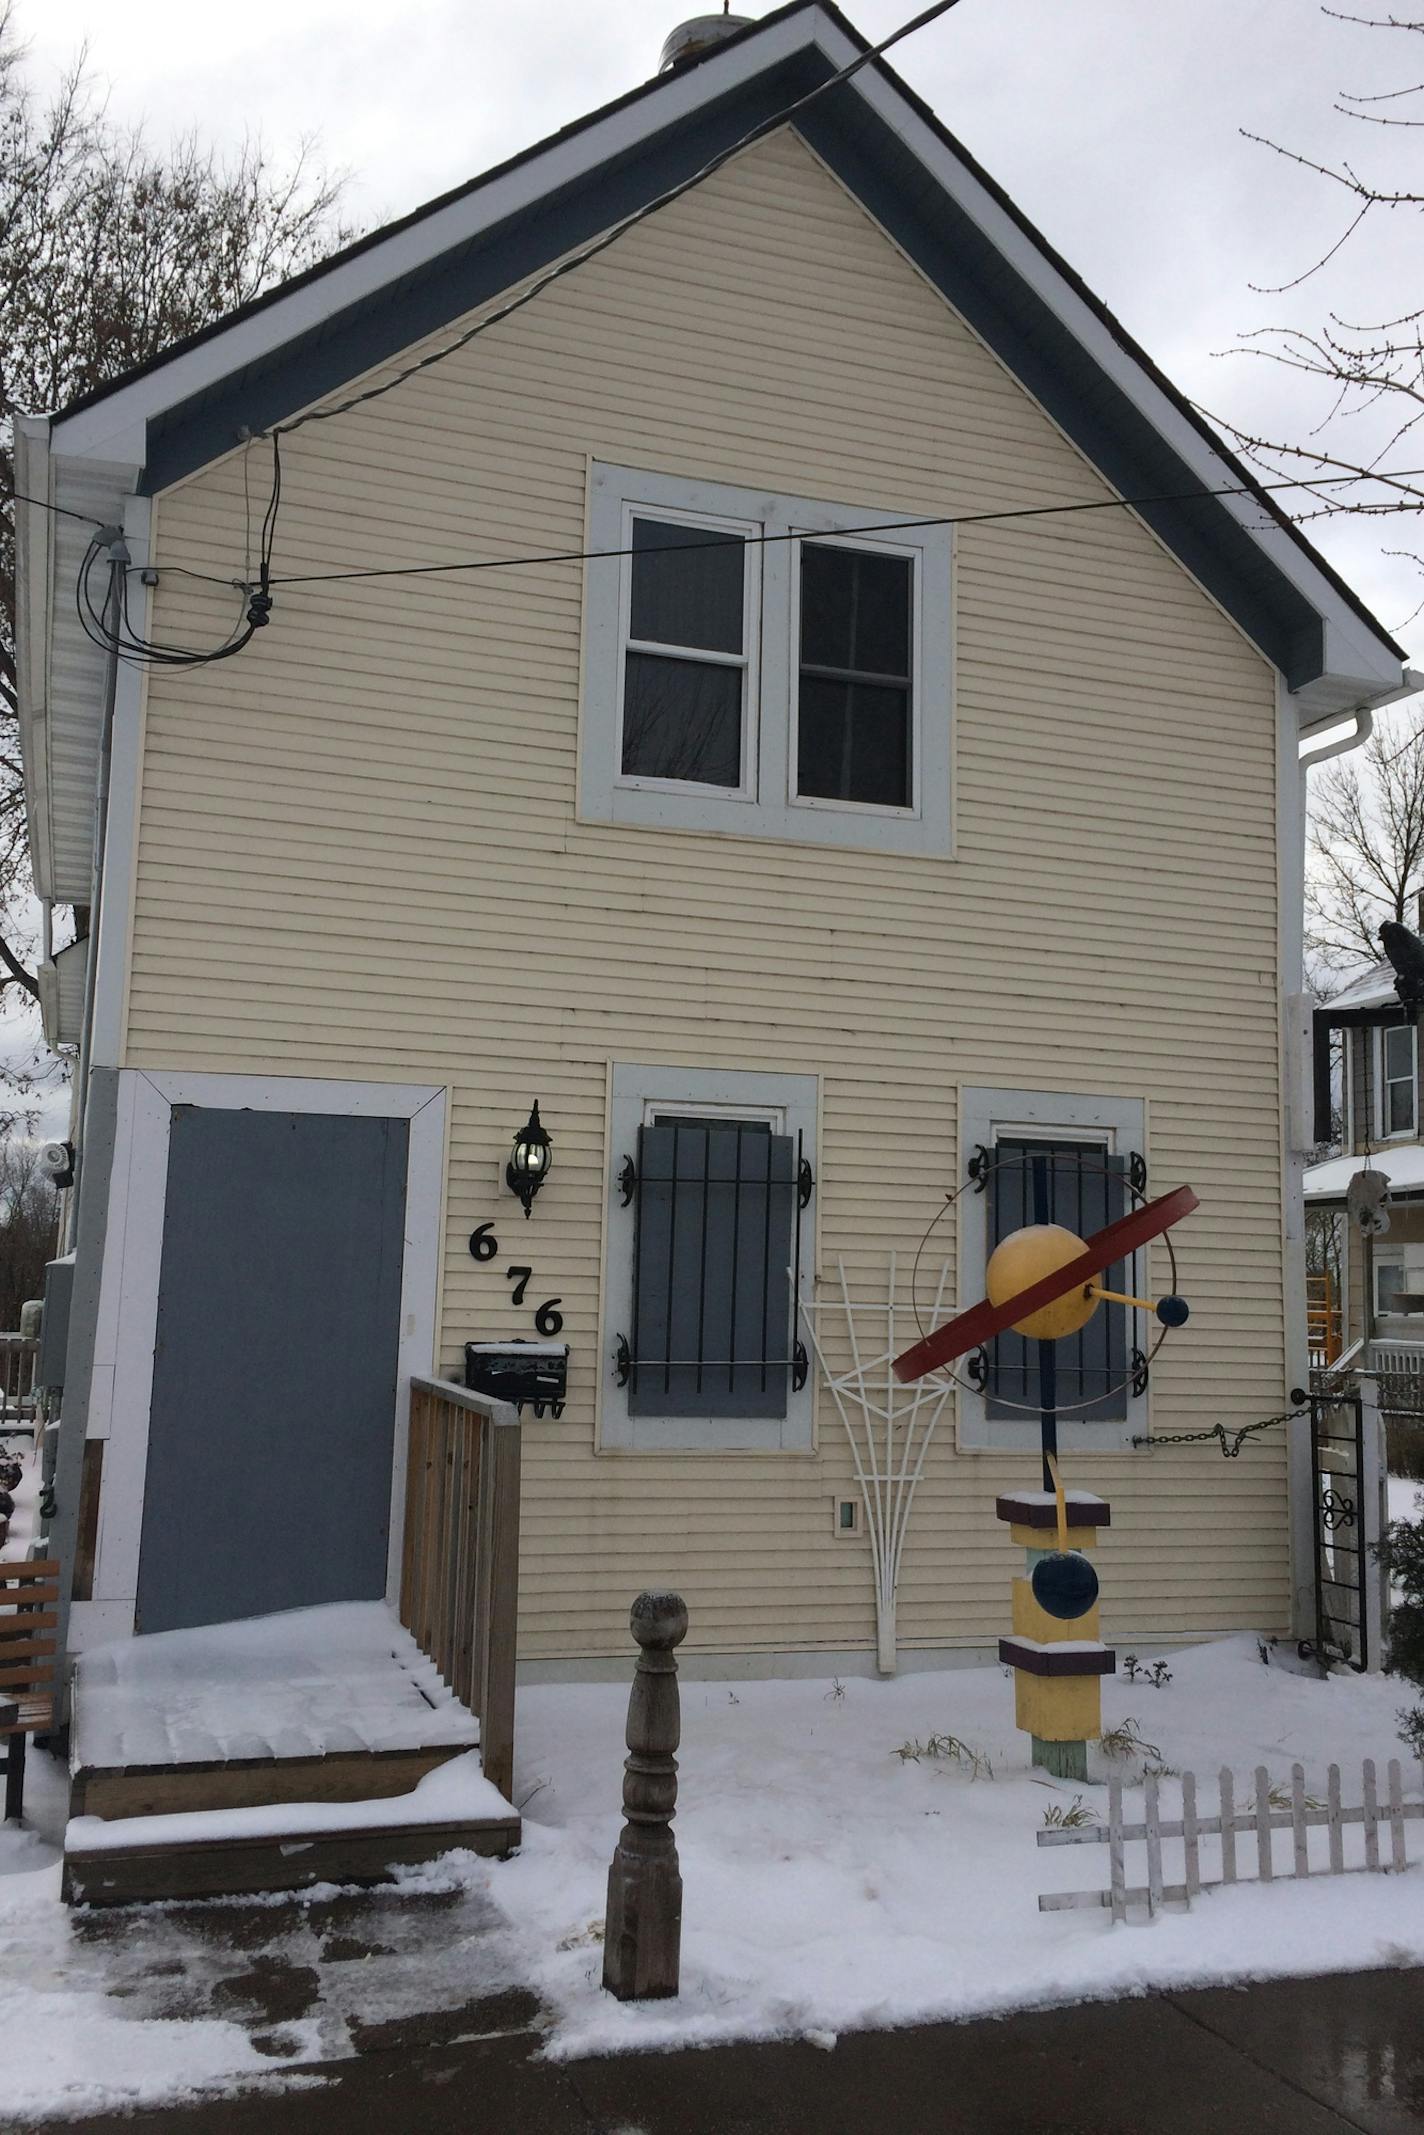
(1042, 1282)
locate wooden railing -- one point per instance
(1323, 1318)
(19, 1402)
(459, 1593)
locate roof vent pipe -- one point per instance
(697, 36)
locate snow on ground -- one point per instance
(829, 1884)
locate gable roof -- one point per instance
(307, 339)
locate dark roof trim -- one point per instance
(387, 230)
(911, 204)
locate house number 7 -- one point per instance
(520, 1278)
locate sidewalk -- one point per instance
(1291, 2057)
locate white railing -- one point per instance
(1266, 1813)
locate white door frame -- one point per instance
(127, 1318)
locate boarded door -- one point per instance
(274, 1379)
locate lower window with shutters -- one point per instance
(1080, 1183)
(1051, 1157)
(711, 1204)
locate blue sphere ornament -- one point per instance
(1173, 1311)
(1064, 1584)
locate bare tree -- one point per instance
(29, 1227)
(110, 250)
(1365, 848)
(1371, 369)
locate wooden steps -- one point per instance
(252, 1782)
(271, 1754)
(228, 1864)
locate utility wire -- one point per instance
(611, 236)
(870, 526)
(17, 496)
(124, 642)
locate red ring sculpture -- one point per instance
(984, 1320)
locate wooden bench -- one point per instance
(29, 1616)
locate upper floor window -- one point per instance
(751, 666)
(1397, 1079)
(689, 662)
(855, 684)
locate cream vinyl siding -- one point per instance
(360, 856)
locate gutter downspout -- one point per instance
(1363, 716)
(118, 563)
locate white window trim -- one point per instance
(1383, 1131)
(984, 1116)
(1402, 1249)
(122, 1384)
(790, 1103)
(770, 808)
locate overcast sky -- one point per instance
(1116, 124)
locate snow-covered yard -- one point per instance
(833, 1879)
(829, 1883)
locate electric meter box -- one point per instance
(54, 1322)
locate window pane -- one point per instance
(685, 592)
(1398, 1051)
(1082, 1186)
(682, 719)
(855, 610)
(1401, 1107)
(853, 742)
(711, 1289)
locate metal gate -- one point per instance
(1342, 1612)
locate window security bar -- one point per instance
(717, 1262)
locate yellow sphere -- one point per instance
(1023, 1259)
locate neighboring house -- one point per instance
(793, 862)
(1380, 1125)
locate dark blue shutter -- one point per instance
(711, 1281)
(1086, 1188)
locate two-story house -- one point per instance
(802, 698)
(1380, 1280)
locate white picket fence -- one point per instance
(1258, 1820)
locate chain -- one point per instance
(1230, 1442)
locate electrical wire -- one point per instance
(128, 645)
(18, 496)
(611, 236)
(871, 526)
(124, 641)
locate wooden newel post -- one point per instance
(642, 1938)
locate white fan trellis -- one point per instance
(889, 1426)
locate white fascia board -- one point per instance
(1351, 649)
(116, 426)
(33, 616)
(112, 425)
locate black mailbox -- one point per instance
(520, 1372)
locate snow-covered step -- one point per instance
(288, 1845)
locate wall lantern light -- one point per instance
(529, 1160)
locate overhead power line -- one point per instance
(17, 496)
(611, 236)
(128, 645)
(870, 526)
